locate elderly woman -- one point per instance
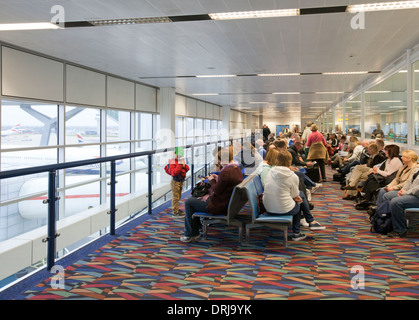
(406, 197)
(317, 150)
(410, 167)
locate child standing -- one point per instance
(177, 168)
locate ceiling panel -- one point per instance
(311, 43)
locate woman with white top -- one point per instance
(281, 195)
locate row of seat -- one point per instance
(246, 192)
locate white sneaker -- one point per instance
(316, 187)
(308, 195)
(189, 239)
(304, 223)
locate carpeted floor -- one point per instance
(149, 262)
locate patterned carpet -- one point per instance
(150, 263)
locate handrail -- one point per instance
(53, 194)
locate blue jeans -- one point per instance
(397, 206)
(193, 205)
(300, 207)
(381, 194)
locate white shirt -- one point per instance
(306, 133)
(356, 155)
(391, 166)
(281, 186)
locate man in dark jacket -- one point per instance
(266, 132)
(296, 158)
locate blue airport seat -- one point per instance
(274, 221)
(237, 201)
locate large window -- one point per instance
(416, 100)
(339, 119)
(353, 116)
(35, 134)
(386, 109)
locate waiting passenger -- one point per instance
(216, 202)
(407, 197)
(281, 195)
(410, 167)
(318, 150)
(360, 172)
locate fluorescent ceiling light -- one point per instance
(390, 101)
(382, 6)
(27, 26)
(217, 76)
(277, 74)
(321, 101)
(290, 102)
(285, 92)
(254, 14)
(345, 72)
(377, 91)
(130, 21)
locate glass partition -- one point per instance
(416, 101)
(386, 109)
(353, 116)
(339, 119)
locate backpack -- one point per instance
(381, 220)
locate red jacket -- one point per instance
(174, 168)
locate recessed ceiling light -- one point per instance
(254, 14)
(382, 6)
(110, 22)
(28, 26)
(345, 73)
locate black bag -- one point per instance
(337, 177)
(261, 207)
(381, 221)
(201, 189)
(313, 173)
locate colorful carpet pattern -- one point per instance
(150, 263)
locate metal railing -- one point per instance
(52, 199)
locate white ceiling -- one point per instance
(164, 52)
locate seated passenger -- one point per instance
(281, 195)
(216, 202)
(356, 157)
(379, 178)
(410, 167)
(407, 197)
(361, 172)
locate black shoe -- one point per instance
(394, 234)
(311, 206)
